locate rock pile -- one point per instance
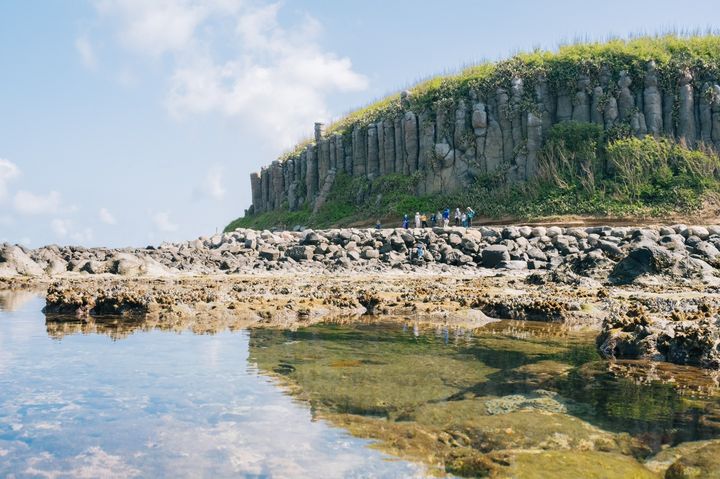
(620, 255)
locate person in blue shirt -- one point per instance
(378, 225)
(446, 217)
(406, 222)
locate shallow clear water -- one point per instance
(158, 404)
(124, 399)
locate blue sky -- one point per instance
(131, 122)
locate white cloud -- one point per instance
(212, 184)
(8, 172)
(86, 51)
(106, 217)
(60, 227)
(64, 228)
(163, 223)
(236, 59)
(29, 203)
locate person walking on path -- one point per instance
(406, 222)
(378, 225)
(464, 220)
(417, 219)
(433, 220)
(457, 216)
(423, 220)
(470, 216)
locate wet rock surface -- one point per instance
(653, 292)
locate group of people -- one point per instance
(441, 218)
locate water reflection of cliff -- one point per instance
(489, 402)
(12, 300)
(120, 327)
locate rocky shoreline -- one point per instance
(652, 292)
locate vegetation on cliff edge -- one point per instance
(582, 172)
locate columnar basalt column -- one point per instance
(359, 148)
(340, 154)
(564, 106)
(256, 189)
(388, 146)
(668, 105)
(581, 105)
(278, 184)
(652, 101)
(596, 108)
(323, 154)
(546, 103)
(686, 108)
(516, 118)
(381, 147)
(503, 111)
(400, 160)
(348, 150)
(373, 165)
(534, 142)
(479, 123)
(705, 113)
(715, 105)
(494, 139)
(332, 164)
(291, 185)
(311, 178)
(426, 127)
(265, 182)
(411, 142)
(626, 100)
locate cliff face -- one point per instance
(492, 120)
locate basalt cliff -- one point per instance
(491, 122)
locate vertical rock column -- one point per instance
(494, 155)
(256, 189)
(652, 101)
(373, 158)
(581, 105)
(265, 188)
(340, 154)
(479, 123)
(715, 106)
(686, 108)
(705, 113)
(291, 184)
(311, 177)
(381, 150)
(332, 163)
(411, 143)
(399, 145)
(359, 156)
(323, 154)
(426, 145)
(626, 100)
(388, 146)
(278, 184)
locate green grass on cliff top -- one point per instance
(561, 68)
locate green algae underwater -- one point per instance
(511, 399)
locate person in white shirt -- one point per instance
(417, 219)
(457, 216)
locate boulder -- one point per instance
(493, 255)
(15, 262)
(300, 253)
